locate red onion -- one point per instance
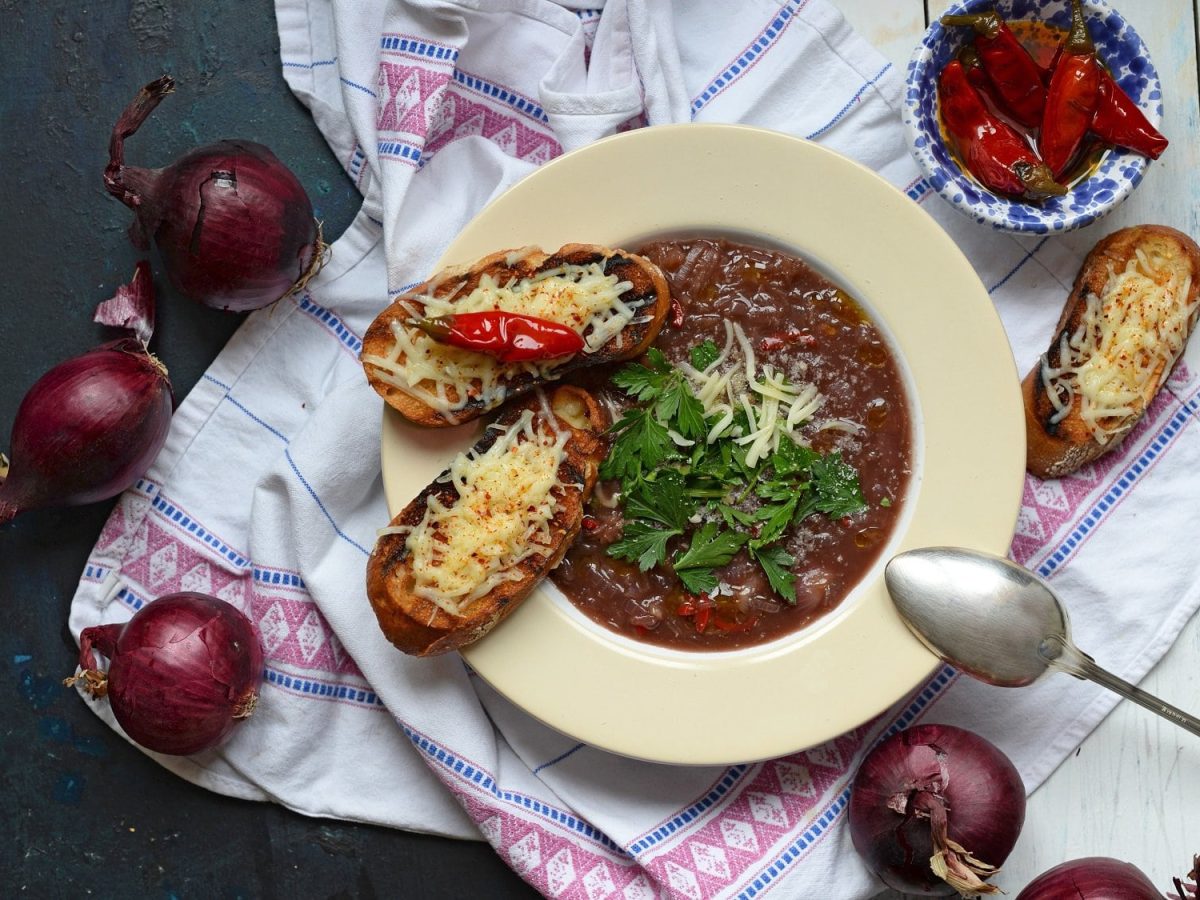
(936, 809)
(234, 226)
(91, 426)
(181, 673)
(1092, 878)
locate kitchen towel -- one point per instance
(268, 492)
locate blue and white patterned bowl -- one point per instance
(1119, 172)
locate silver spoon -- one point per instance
(997, 621)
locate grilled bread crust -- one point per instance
(1057, 449)
(648, 284)
(421, 628)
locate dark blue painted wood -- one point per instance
(85, 814)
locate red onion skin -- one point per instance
(87, 429)
(233, 224)
(182, 672)
(983, 794)
(1092, 878)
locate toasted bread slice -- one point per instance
(437, 385)
(405, 590)
(1121, 332)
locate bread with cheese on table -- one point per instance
(1124, 326)
(473, 544)
(615, 301)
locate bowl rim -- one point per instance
(681, 177)
(951, 189)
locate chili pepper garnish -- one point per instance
(1120, 121)
(509, 337)
(676, 310)
(732, 626)
(702, 617)
(992, 149)
(1072, 97)
(590, 523)
(1013, 73)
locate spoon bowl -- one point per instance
(998, 622)
(987, 613)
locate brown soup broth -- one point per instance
(804, 325)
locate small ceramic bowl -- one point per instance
(1119, 171)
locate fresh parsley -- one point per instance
(693, 505)
(711, 548)
(704, 355)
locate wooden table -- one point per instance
(1132, 790)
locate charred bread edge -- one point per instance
(416, 411)
(1056, 450)
(419, 627)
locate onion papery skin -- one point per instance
(1092, 878)
(182, 672)
(233, 225)
(980, 787)
(87, 429)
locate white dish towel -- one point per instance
(268, 492)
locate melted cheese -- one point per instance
(1127, 340)
(773, 405)
(446, 378)
(506, 500)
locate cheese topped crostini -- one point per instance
(1121, 332)
(615, 301)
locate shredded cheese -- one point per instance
(1111, 365)
(734, 382)
(447, 378)
(506, 500)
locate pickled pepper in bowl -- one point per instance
(992, 150)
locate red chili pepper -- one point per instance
(973, 65)
(732, 626)
(509, 337)
(767, 344)
(1013, 73)
(702, 617)
(590, 523)
(676, 313)
(686, 608)
(1120, 121)
(992, 149)
(1072, 98)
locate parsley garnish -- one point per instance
(704, 355)
(669, 490)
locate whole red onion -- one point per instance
(1092, 878)
(181, 673)
(233, 224)
(91, 426)
(936, 809)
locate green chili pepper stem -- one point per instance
(986, 24)
(969, 57)
(1038, 180)
(438, 329)
(1079, 39)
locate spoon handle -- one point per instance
(1075, 662)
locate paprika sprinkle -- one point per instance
(991, 149)
(1072, 98)
(1014, 74)
(509, 337)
